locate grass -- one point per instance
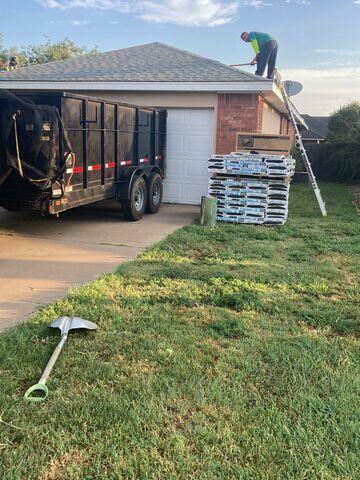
(230, 353)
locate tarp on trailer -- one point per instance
(29, 141)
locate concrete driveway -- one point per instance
(41, 258)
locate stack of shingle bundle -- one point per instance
(251, 188)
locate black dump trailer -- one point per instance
(61, 150)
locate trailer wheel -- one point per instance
(155, 193)
(134, 208)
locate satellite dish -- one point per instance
(293, 88)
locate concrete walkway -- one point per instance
(41, 258)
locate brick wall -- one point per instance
(237, 112)
(241, 112)
(286, 128)
(284, 125)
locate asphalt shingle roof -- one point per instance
(318, 127)
(153, 62)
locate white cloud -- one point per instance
(199, 13)
(325, 90)
(336, 64)
(337, 52)
(51, 3)
(79, 23)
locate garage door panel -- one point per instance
(174, 167)
(197, 143)
(178, 119)
(177, 143)
(173, 192)
(200, 118)
(194, 168)
(194, 192)
(190, 142)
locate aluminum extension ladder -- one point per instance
(299, 143)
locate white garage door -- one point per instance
(190, 141)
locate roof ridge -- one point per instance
(210, 60)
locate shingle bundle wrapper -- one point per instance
(251, 188)
(270, 166)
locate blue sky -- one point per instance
(319, 40)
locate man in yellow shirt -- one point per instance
(266, 49)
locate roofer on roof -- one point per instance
(13, 62)
(11, 65)
(266, 48)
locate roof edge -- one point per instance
(231, 86)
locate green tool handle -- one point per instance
(39, 391)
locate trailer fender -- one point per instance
(127, 179)
(156, 170)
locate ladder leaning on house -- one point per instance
(299, 142)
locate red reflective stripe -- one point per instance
(128, 162)
(77, 169)
(94, 167)
(111, 165)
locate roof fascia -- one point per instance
(269, 90)
(241, 86)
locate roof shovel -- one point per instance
(39, 391)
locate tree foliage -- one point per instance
(46, 52)
(344, 144)
(3, 53)
(52, 52)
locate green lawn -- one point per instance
(229, 353)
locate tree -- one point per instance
(3, 54)
(46, 52)
(344, 144)
(52, 52)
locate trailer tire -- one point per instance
(155, 193)
(134, 208)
